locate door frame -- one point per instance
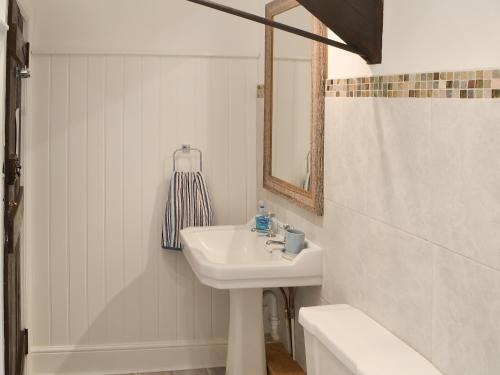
(26, 96)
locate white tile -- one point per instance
(304, 297)
(398, 269)
(398, 155)
(343, 274)
(464, 176)
(466, 328)
(346, 156)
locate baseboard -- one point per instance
(127, 358)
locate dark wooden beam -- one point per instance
(277, 25)
(359, 23)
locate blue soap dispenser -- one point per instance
(262, 220)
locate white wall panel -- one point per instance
(96, 190)
(106, 127)
(132, 192)
(114, 207)
(237, 145)
(152, 202)
(40, 232)
(58, 209)
(77, 197)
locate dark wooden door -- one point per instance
(16, 341)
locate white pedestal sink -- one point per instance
(234, 258)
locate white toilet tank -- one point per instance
(341, 340)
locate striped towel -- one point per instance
(188, 205)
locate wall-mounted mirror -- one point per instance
(296, 70)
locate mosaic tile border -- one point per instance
(477, 84)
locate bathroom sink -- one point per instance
(235, 258)
(230, 257)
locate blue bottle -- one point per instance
(262, 220)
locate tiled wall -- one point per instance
(464, 85)
(412, 211)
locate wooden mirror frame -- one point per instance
(311, 200)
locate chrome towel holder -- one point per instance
(186, 149)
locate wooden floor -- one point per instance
(279, 362)
(212, 371)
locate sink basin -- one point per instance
(231, 257)
(235, 258)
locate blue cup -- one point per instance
(294, 241)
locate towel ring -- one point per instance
(186, 149)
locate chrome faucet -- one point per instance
(277, 229)
(274, 242)
(267, 231)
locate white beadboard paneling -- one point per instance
(202, 310)
(185, 300)
(102, 160)
(220, 312)
(77, 195)
(218, 140)
(186, 87)
(251, 139)
(132, 191)
(114, 246)
(237, 144)
(58, 212)
(202, 293)
(152, 202)
(41, 203)
(167, 273)
(167, 295)
(96, 192)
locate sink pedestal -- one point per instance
(234, 258)
(246, 348)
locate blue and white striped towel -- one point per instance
(188, 205)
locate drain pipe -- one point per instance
(291, 297)
(290, 317)
(270, 300)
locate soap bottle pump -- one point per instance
(262, 220)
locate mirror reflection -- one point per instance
(291, 107)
